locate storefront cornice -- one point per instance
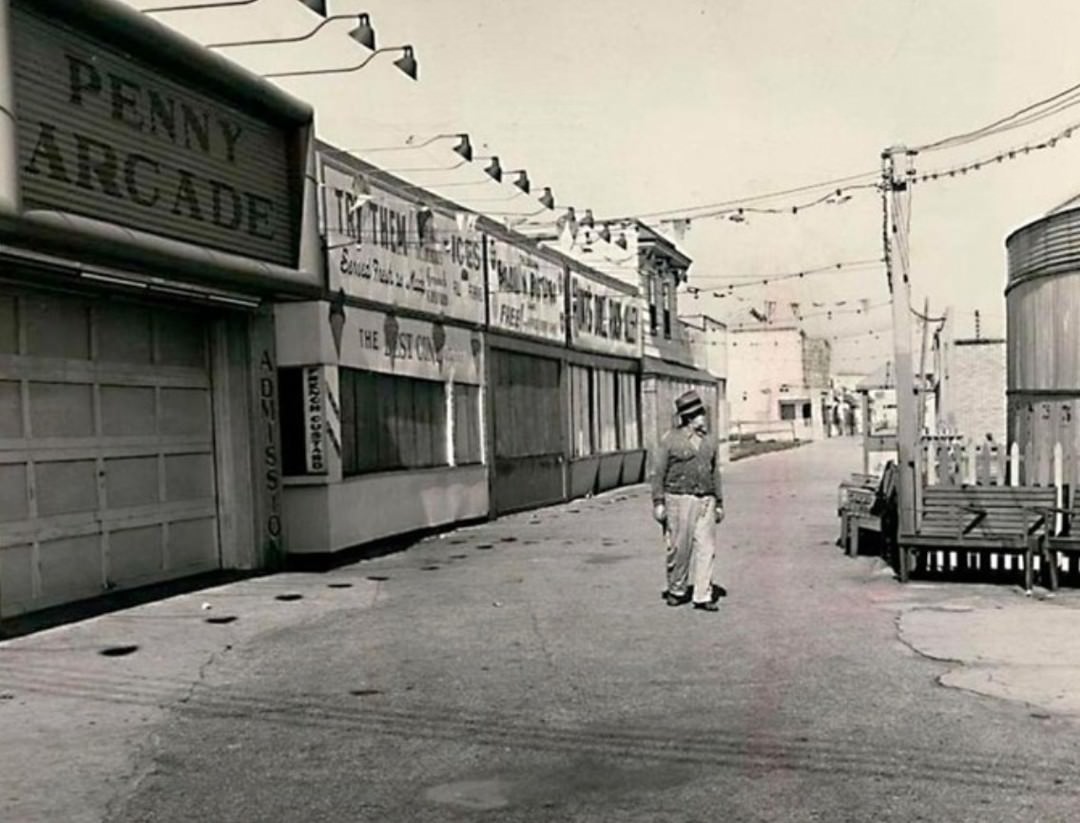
(400, 311)
(144, 37)
(83, 241)
(425, 197)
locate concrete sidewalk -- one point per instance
(548, 626)
(78, 702)
(1003, 645)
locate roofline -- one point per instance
(146, 38)
(426, 197)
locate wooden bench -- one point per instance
(855, 496)
(1066, 543)
(868, 508)
(1009, 520)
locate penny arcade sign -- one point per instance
(107, 136)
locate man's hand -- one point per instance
(659, 513)
(719, 512)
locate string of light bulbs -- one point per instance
(850, 265)
(999, 157)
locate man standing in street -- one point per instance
(688, 502)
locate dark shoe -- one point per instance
(676, 599)
(718, 591)
(707, 606)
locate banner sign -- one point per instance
(107, 136)
(385, 248)
(605, 319)
(315, 429)
(527, 293)
(427, 349)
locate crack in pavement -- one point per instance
(1031, 682)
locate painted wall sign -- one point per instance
(526, 292)
(385, 248)
(107, 136)
(315, 429)
(604, 319)
(426, 349)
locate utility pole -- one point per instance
(896, 202)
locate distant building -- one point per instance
(778, 380)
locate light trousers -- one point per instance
(691, 547)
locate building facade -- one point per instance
(604, 361)
(153, 200)
(529, 390)
(778, 382)
(673, 359)
(382, 381)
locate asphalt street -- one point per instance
(527, 670)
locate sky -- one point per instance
(630, 107)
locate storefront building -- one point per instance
(381, 381)
(604, 377)
(528, 390)
(671, 363)
(152, 205)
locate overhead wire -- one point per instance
(1062, 100)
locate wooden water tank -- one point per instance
(1042, 300)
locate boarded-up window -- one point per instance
(604, 418)
(629, 429)
(467, 434)
(581, 404)
(527, 404)
(390, 422)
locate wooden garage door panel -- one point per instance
(70, 567)
(123, 333)
(192, 544)
(128, 410)
(10, 409)
(61, 409)
(56, 326)
(131, 481)
(66, 487)
(14, 500)
(17, 578)
(185, 412)
(9, 332)
(136, 555)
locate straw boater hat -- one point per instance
(688, 404)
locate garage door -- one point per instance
(106, 448)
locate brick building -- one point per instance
(972, 388)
